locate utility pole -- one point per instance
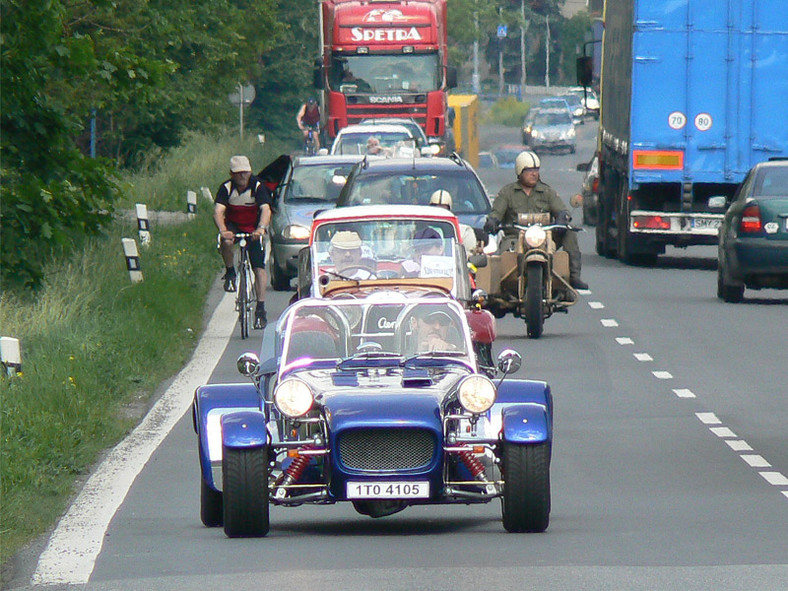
(547, 51)
(475, 77)
(523, 65)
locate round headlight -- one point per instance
(476, 394)
(293, 398)
(535, 236)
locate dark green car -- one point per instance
(753, 238)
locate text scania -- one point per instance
(401, 34)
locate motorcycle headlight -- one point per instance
(296, 232)
(535, 236)
(535, 133)
(476, 394)
(293, 398)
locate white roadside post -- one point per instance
(191, 204)
(10, 355)
(143, 224)
(206, 193)
(132, 259)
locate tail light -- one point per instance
(651, 222)
(751, 220)
(595, 185)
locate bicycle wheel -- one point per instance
(245, 294)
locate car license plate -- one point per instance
(705, 223)
(388, 490)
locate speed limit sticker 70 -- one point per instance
(677, 120)
(703, 121)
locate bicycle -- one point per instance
(246, 300)
(310, 141)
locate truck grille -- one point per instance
(386, 449)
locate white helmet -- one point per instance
(441, 197)
(526, 160)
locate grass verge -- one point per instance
(95, 346)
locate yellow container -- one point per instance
(466, 126)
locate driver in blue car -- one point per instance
(431, 331)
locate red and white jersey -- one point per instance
(243, 207)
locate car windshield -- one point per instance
(384, 74)
(356, 143)
(415, 188)
(321, 182)
(368, 332)
(558, 118)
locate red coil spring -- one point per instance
(297, 466)
(472, 462)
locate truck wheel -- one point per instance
(733, 294)
(525, 505)
(245, 491)
(210, 505)
(534, 307)
(642, 259)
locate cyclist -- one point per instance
(243, 204)
(309, 118)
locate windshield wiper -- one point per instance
(367, 355)
(433, 355)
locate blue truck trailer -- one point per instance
(694, 93)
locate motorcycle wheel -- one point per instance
(534, 308)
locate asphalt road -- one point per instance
(669, 466)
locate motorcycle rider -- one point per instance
(528, 194)
(442, 198)
(309, 118)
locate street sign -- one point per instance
(246, 93)
(502, 31)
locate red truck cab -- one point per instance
(385, 59)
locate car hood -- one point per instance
(301, 212)
(382, 395)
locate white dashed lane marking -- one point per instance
(707, 418)
(683, 393)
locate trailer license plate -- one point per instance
(388, 490)
(704, 223)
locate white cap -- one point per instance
(346, 240)
(240, 164)
(525, 160)
(441, 197)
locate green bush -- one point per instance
(508, 111)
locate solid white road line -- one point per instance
(71, 553)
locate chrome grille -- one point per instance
(386, 449)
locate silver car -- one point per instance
(553, 129)
(311, 183)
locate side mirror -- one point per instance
(585, 70)
(248, 364)
(317, 75)
(451, 77)
(509, 361)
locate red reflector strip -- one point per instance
(657, 159)
(651, 222)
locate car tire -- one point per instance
(279, 281)
(245, 492)
(210, 505)
(733, 294)
(525, 505)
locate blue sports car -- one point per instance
(376, 400)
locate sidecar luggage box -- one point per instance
(500, 268)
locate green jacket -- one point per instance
(512, 200)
